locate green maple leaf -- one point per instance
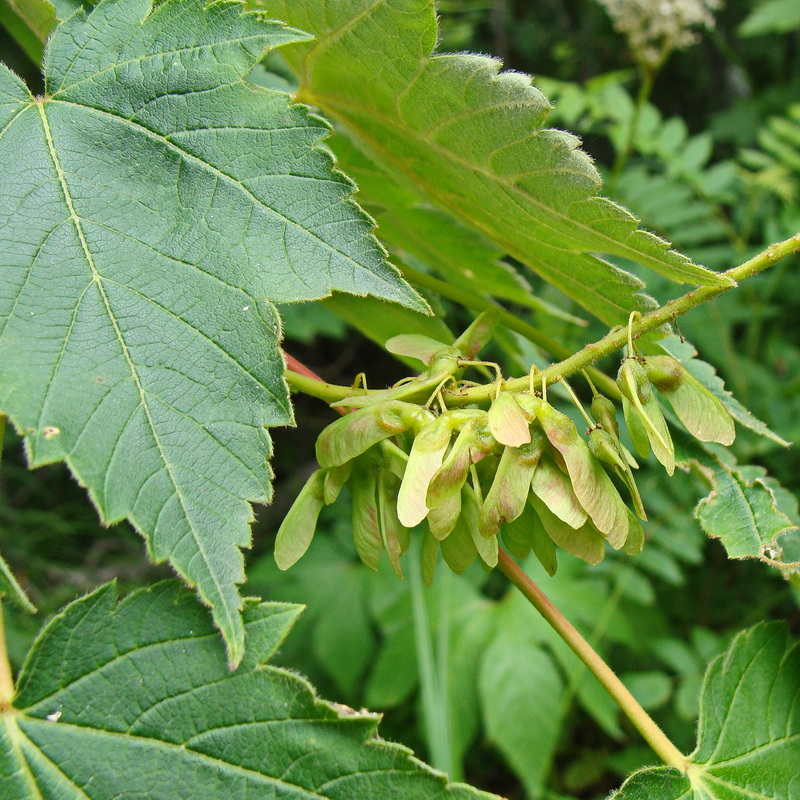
(472, 140)
(135, 699)
(749, 733)
(154, 205)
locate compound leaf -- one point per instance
(749, 732)
(154, 205)
(135, 699)
(472, 140)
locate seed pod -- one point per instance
(443, 518)
(507, 421)
(472, 443)
(356, 432)
(428, 557)
(474, 338)
(635, 541)
(635, 387)
(604, 412)
(487, 548)
(604, 449)
(527, 533)
(415, 345)
(393, 459)
(298, 526)
(424, 460)
(697, 408)
(335, 478)
(366, 533)
(554, 489)
(458, 549)
(394, 536)
(586, 542)
(505, 500)
(530, 404)
(636, 428)
(591, 485)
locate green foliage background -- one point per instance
(715, 168)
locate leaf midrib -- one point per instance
(96, 278)
(15, 735)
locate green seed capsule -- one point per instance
(443, 518)
(298, 526)
(604, 412)
(366, 532)
(472, 443)
(474, 338)
(428, 557)
(508, 422)
(635, 387)
(487, 548)
(335, 478)
(605, 449)
(506, 498)
(356, 432)
(587, 543)
(635, 541)
(591, 485)
(554, 489)
(703, 414)
(394, 536)
(458, 549)
(527, 533)
(424, 460)
(415, 345)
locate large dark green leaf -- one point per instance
(135, 699)
(153, 206)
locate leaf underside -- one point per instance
(135, 699)
(471, 139)
(749, 732)
(154, 206)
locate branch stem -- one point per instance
(588, 355)
(616, 339)
(475, 302)
(644, 723)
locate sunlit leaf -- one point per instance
(471, 139)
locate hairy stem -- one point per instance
(644, 723)
(586, 357)
(475, 302)
(617, 338)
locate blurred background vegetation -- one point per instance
(702, 143)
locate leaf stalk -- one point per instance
(644, 723)
(7, 689)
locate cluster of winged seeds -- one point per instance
(520, 469)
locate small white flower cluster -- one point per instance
(654, 28)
